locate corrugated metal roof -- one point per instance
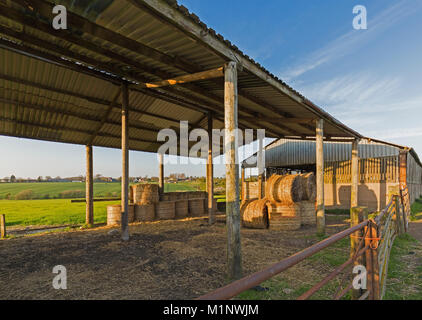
(60, 84)
(293, 152)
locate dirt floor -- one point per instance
(163, 260)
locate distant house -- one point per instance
(6, 180)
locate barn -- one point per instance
(382, 167)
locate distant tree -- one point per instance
(57, 178)
(39, 179)
(48, 178)
(12, 178)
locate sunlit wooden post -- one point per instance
(234, 250)
(399, 215)
(125, 163)
(320, 176)
(210, 173)
(242, 185)
(260, 174)
(89, 193)
(161, 173)
(355, 175)
(3, 233)
(371, 261)
(357, 215)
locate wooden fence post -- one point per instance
(371, 259)
(357, 215)
(3, 226)
(320, 176)
(397, 208)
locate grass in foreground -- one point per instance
(404, 280)
(416, 210)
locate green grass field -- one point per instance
(53, 189)
(101, 189)
(50, 212)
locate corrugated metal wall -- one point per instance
(288, 152)
(414, 178)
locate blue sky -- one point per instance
(369, 79)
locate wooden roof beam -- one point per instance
(203, 75)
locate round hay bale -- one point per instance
(254, 214)
(285, 189)
(284, 216)
(145, 193)
(285, 223)
(114, 214)
(182, 209)
(170, 196)
(144, 212)
(196, 207)
(283, 209)
(131, 194)
(308, 213)
(165, 210)
(183, 195)
(165, 196)
(309, 186)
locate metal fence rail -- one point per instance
(373, 249)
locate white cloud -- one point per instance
(373, 105)
(397, 133)
(354, 39)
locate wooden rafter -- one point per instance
(203, 75)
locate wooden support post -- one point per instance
(234, 250)
(354, 202)
(3, 233)
(357, 215)
(371, 259)
(161, 173)
(125, 163)
(320, 176)
(399, 215)
(89, 187)
(210, 173)
(260, 174)
(403, 168)
(242, 185)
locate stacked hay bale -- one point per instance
(289, 202)
(283, 193)
(145, 193)
(145, 198)
(284, 216)
(147, 204)
(165, 210)
(114, 214)
(307, 205)
(196, 207)
(182, 208)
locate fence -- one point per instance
(371, 243)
